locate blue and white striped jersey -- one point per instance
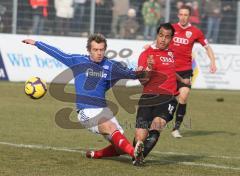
(91, 79)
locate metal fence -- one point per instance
(123, 19)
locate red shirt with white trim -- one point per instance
(182, 44)
(163, 76)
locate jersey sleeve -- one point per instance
(67, 59)
(119, 71)
(201, 38)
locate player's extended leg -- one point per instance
(106, 127)
(108, 151)
(102, 121)
(181, 110)
(110, 129)
(120, 145)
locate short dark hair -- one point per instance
(98, 38)
(167, 26)
(187, 8)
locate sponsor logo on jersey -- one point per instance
(188, 34)
(166, 59)
(92, 73)
(106, 67)
(180, 40)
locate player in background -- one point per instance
(157, 103)
(96, 75)
(184, 38)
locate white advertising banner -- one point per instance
(19, 61)
(228, 68)
(22, 61)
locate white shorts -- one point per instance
(90, 118)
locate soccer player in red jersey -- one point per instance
(157, 103)
(184, 38)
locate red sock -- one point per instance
(121, 142)
(106, 152)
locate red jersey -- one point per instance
(182, 44)
(163, 76)
(40, 3)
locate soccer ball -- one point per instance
(35, 88)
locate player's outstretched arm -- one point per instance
(66, 59)
(143, 75)
(210, 53)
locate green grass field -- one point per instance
(31, 143)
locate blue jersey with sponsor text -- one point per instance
(91, 79)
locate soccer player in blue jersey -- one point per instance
(96, 76)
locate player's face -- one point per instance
(183, 16)
(164, 37)
(97, 51)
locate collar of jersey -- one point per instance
(189, 25)
(98, 63)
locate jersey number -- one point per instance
(170, 109)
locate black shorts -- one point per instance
(184, 74)
(151, 106)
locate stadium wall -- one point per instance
(18, 61)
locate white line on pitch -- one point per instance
(209, 165)
(42, 147)
(187, 154)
